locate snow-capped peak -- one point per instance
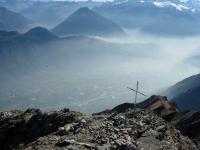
(118, 2)
(179, 7)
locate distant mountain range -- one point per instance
(47, 14)
(166, 17)
(87, 22)
(20, 5)
(35, 35)
(19, 51)
(193, 5)
(181, 5)
(11, 21)
(16, 5)
(186, 93)
(152, 17)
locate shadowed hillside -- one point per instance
(87, 22)
(11, 21)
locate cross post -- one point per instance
(136, 93)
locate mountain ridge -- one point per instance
(87, 22)
(12, 21)
(150, 18)
(185, 93)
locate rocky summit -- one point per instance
(131, 130)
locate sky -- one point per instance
(85, 0)
(93, 0)
(59, 0)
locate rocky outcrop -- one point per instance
(130, 130)
(188, 123)
(18, 127)
(158, 104)
(161, 106)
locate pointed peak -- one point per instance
(85, 21)
(84, 9)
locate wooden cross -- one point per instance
(136, 92)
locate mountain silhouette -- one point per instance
(11, 21)
(186, 93)
(87, 22)
(40, 33)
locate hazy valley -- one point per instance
(87, 73)
(100, 53)
(70, 71)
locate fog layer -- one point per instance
(91, 74)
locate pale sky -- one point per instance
(72, 0)
(94, 0)
(68, 0)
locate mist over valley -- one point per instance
(85, 54)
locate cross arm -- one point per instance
(136, 91)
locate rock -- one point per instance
(116, 130)
(129, 130)
(123, 144)
(65, 110)
(27, 126)
(104, 140)
(83, 121)
(64, 130)
(161, 128)
(63, 143)
(87, 146)
(119, 120)
(188, 123)
(152, 133)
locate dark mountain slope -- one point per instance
(87, 22)
(186, 93)
(189, 100)
(33, 36)
(17, 51)
(188, 123)
(40, 34)
(50, 13)
(183, 86)
(11, 21)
